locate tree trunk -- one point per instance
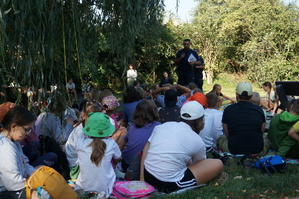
(210, 76)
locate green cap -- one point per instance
(98, 125)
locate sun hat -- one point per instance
(110, 103)
(200, 98)
(170, 98)
(244, 89)
(192, 110)
(98, 125)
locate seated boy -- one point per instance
(278, 134)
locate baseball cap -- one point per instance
(170, 98)
(192, 110)
(244, 89)
(200, 98)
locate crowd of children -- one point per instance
(174, 125)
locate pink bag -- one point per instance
(132, 189)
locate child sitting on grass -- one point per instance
(146, 118)
(95, 150)
(217, 89)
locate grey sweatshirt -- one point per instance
(14, 166)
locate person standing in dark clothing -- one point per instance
(198, 71)
(186, 59)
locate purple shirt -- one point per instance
(136, 140)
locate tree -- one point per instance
(257, 37)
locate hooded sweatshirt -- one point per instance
(278, 135)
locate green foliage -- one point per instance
(256, 37)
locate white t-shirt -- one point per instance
(173, 146)
(70, 86)
(213, 126)
(94, 178)
(70, 145)
(271, 96)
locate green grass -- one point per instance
(253, 184)
(229, 82)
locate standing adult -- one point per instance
(186, 59)
(131, 74)
(198, 71)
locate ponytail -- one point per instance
(98, 150)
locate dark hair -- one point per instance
(18, 115)
(186, 40)
(215, 87)
(98, 150)
(194, 124)
(192, 86)
(212, 99)
(135, 83)
(295, 107)
(106, 92)
(242, 97)
(290, 103)
(146, 112)
(267, 84)
(131, 95)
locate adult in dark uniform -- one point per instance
(186, 59)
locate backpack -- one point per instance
(132, 189)
(271, 164)
(52, 182)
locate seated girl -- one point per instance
(146, 118)
(95, 151)
(270, 102)
(14, 165)
(217, 89)
(78, 132)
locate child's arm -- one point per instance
(233, 101)
(144, 154)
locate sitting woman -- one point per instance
(14, 166)
(217, 89)
(95, 151)
(146, 118)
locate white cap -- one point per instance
(192, 108)
(244, 86)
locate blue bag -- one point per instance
(271, 164)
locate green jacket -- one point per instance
(283, 144)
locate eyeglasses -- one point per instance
(27, 130)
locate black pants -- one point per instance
(13, 194)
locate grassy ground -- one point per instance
(245, 184)
(228, 83)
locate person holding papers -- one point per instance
(186, 59)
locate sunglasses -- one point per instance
(27, 130)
